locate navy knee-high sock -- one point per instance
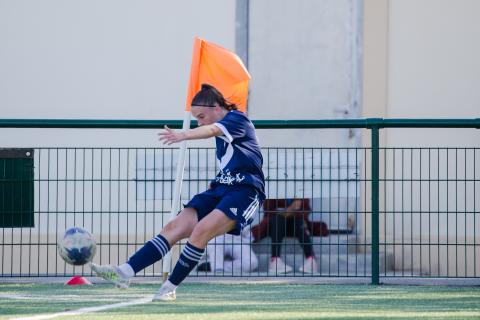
(151, 252)
(185, 264)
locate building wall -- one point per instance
(421, 61)
(101, 60)
(107, 59)
(132, 62)
(304, 57)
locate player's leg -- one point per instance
(153, 250)
(214, 224)
(179, 228)
(234, 211)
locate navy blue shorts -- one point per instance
(239, 203)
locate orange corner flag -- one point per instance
(220, 68)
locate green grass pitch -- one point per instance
(245, 301)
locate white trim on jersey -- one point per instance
(225, 131)
(222, 163)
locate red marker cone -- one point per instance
(78, 280)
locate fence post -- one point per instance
(375, 205)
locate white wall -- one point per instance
(101, 60)
(421, 61)
(434, 68)
(304, 57)
(123, 60)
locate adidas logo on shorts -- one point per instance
(234, 210)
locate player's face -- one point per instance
(206, 115)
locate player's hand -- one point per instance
(170, 136)
(296, 205)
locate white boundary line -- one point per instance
(16, 297)
(87, 310)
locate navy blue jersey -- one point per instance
(238, 153)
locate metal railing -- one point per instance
(389, 210)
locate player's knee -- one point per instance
(200, 236)
(175, 230)
(171, 226)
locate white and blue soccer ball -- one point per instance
(77, 246)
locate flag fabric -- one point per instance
(220, 68)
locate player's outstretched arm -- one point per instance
(170, 136)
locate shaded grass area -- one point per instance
(248, 301)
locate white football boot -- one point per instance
(111, 274)
(165, 293)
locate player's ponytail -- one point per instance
(209, 96)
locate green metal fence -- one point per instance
(391, 212)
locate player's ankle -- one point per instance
(169, 285)
(126, 271)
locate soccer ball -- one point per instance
(77, 246)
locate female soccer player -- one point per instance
(226, 207)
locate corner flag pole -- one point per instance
(192, 89)
(167, 259)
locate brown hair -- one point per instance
(209, 96)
